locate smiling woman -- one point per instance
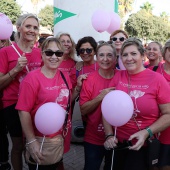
(12, 72)
(150, 95)
(93, 91)
(52, 55)
(43, 85)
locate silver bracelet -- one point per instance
(31, 141)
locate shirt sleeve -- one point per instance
(86, 93)
(26, 99)
(163, 92)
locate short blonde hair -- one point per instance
(20, 22)
(133, 41)
(72, 53)
(107, 44)
(47, 41)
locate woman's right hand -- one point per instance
(22, 62)
(104, 92)
(34, 150)
(111, 142)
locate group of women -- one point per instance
(30, 77)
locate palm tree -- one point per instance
(125, 6)
(147, 6)
(165, 16)
(35, 5)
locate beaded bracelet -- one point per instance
(31, 141)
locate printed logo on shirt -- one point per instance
(134, 86)
(136, 94)
(63, 93)
(100, 128)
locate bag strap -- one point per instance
(77, 73)
(68, 106)
(155, 68)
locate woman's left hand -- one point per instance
(141, 137)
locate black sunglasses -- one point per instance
(88, 50)
(120, 39)
(58, 53)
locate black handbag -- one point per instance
(153, 148)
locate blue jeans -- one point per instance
(94, 155)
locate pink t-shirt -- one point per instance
(67, 65)
(36, 89)
(85, 70)
(165, 135)
(8, 60)
(91, 88)
(147, 90)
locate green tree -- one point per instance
(46, 16)
(147, 26)
(147, 6)
(11, 9)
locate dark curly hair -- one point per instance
(83, 40)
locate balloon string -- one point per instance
(113, 149)
(41, 149)
(18, 54)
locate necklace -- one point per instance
(135, 110)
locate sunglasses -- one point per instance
(104, 42)
(58, 53)
(88, 50)
(120, 39)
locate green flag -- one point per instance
(60, 15)
(116, 6)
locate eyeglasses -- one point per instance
(120, 39)
(88, 50)
(58, 53)
(104, 42)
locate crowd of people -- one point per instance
(32, 76)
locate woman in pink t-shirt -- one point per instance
(118, 37)
(68, 62)
(43, 85)
(93, 91)
(164, 70)
(15, 62)
(154, 54)
(150, 94)
(86, 49)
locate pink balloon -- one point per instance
(114, 23)
(6, 27)
(117, 108)
(100, 20)
(49, 118)
(122, 67)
